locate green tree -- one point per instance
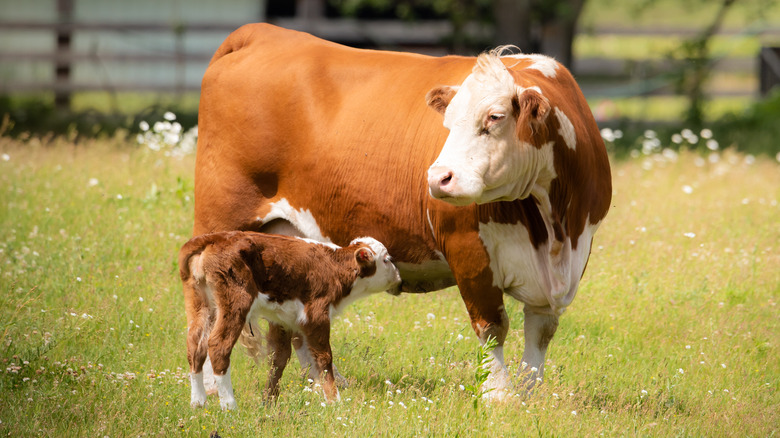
(535, 26)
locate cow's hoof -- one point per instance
(497, 395)
(228, 405)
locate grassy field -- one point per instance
(674, 332)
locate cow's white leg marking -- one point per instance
(197, 390)
(225, 387)
(498, 380)
(566, 130)
(539, 329)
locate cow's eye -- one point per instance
(496, 117)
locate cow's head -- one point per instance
(496, 147)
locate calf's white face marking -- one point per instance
(386, 275)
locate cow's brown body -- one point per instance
(302, 136)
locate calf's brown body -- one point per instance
(233, 278)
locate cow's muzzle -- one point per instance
(441, 182)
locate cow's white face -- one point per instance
(486, 157)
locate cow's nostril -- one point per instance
(446, 180)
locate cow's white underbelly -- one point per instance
(538, 277)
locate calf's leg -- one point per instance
(227, 328)
(307, 361)
(317, 335)
(198, 321)
(279, 345)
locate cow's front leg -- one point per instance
(539, 329)
(489, 319)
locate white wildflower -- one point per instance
(93, 182)
(706, 133)
(6, 157)
(712, 144)
(687, 189)
(169, 116)
(144, 125)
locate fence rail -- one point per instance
(184, 63)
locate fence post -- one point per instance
(769, 69)
(62, 62)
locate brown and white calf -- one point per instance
(233, 278)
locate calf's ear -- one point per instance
(439, 97)
(364, 257)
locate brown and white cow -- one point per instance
(306, 137)
(233, 278)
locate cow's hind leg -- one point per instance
(279, 345)
(539, 330)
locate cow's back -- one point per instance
(288, 118)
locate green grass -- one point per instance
(670, 334)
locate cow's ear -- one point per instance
(440, 97)
(532, 108)
(364, 256)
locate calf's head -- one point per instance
(496, 145)
(377, 271)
